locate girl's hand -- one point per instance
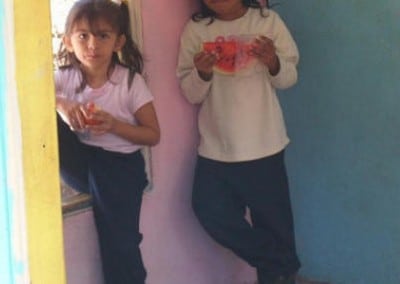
(146, 132)
(264, 49)
(204, 62)
(70, 112)
(97, 120)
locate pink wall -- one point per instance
(175, 248)
(81, 250)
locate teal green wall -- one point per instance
(343, 118)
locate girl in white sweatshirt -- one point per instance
(234, 54)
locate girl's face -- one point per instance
(226, 9)
(93, 45)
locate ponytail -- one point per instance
(130, 54)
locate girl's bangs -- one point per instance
(93, 15)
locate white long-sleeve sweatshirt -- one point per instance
(240, 118)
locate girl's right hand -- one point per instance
(70, 112)
(204, 62)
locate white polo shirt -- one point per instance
(114, 97)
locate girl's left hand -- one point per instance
(263, 49)
(104, 122)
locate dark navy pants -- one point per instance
(115, 182)
(222, 192)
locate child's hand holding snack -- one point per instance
(264, 49)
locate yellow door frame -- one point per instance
(35, 89)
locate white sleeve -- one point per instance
(288, 54)
(58, 83)
(194, 88)
(140, 93)
(66, 81)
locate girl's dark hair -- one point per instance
(117, 15)
(205, 12)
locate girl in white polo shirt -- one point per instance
(106, 116)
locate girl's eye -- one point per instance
(104, 36)
(82, 36)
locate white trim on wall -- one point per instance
(135, 13)
(135, 10)
(15, 175)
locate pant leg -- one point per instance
(73, 157)
(221, 192)
(218, 210)
(117, 182)
(268, 198)
(221, 211)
